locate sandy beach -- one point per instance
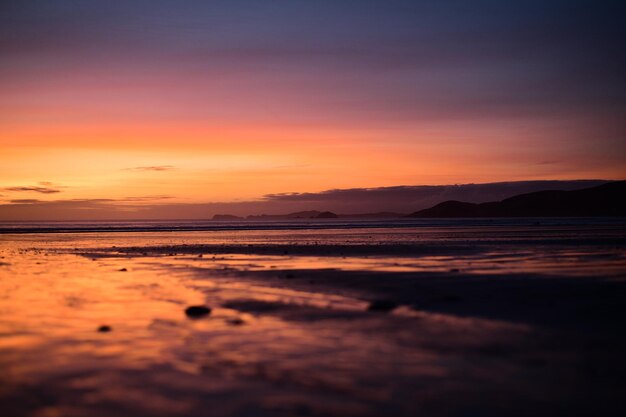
(362, 322)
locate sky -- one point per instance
(148, 103)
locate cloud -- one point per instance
(404, 198)
(152, 168)
(90, 202)
(25, 201)
(144, 198)
(35, 189)
(400, 199)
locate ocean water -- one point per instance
(296, 224)
(490, 317)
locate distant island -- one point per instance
(226, 217)
(603, 200)
(310, 214)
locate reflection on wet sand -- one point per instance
(498, 331)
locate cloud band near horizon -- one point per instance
(401, 199)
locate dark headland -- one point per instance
(603, 200)
(310, 214)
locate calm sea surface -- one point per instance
(489, 317)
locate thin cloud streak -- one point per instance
(152, 168)
(36, 189)
(26, 201)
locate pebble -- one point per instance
(195, 312)
(104, 329)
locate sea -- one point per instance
(306, 317)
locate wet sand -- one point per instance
(485, 322)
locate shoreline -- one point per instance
(391, 323)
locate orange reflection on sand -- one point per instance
(286, 334)
(564, 262)
(257, 339)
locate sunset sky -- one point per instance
(189, 102)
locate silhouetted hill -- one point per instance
(326, 215)
(312, 214)
(604, 200)
(226, 217)
(379, 215)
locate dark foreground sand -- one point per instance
(527, 325)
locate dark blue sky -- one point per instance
(400, 59)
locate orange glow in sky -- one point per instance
(109, 102)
